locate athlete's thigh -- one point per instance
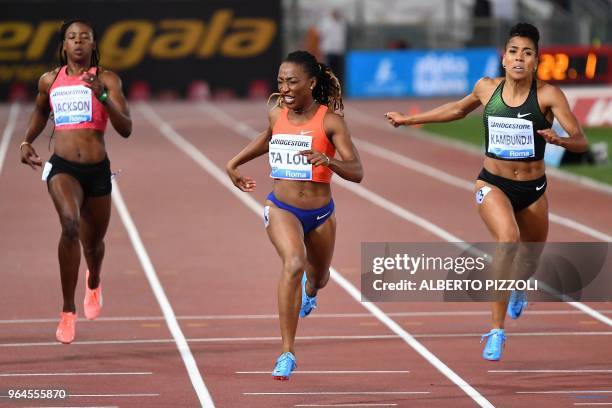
(496, 211)
(95, 216)
(320, 244)
(533, 221)
(285, 233)
(67, 195)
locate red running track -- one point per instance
(218, 272)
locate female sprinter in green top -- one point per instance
(510, 190)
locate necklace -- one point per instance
(304, 110)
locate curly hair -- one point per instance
(327, 91)
(525, 30)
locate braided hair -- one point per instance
(327, 91)
(95, 55)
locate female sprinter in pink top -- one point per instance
(303, 135)
(82, 97)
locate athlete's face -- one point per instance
(79, 42)
(520, 59)
(295, 86)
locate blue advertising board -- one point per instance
(422, 73)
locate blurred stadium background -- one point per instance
(405, 49)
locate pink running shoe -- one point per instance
(93, 300)
(66, 328)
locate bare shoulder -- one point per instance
(544, 87)
(548, 93)
(334, 123)
(334, 118)
(273, 114)
(46, 80)
(108, 77)
(487, 84)
(484, 88)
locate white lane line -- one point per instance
(99, 319)
(339, 393)
(248, 132)
(67, 374)
(80, 406)
(90, 343)
(112, 395)
(566, 392)
(331, 372)
(591, 312)
(317, 316)
(193, 152)
(304, 338)
(578, 226)
(592, 403)
(345, 405)
(391, 336)
(181, 343)
(576, 371)
(8, 132)
(526, 334)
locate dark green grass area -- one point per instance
(471, 130)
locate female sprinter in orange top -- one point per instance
(82, 97)
(305, 130)
(510, 190)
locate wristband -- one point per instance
(24, 144)
(102, 98)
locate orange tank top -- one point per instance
(288, 139)
(75, 106)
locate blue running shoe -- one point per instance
(308, 303)
(285, 365)
(517, 303)
(495, 344)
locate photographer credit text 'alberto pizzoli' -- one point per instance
(458, 272)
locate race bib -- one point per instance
(285, 160)
(510, 138)
(71, 104)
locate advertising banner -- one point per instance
(167, 44)
(418, 73)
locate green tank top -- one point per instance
(511, 132)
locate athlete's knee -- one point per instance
(509, 236)
(93, 248)
(70, 227)
(320, 280)
(294, 266)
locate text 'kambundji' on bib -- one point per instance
(285, 160)
(510, 138)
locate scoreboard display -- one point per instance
(575, 65)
